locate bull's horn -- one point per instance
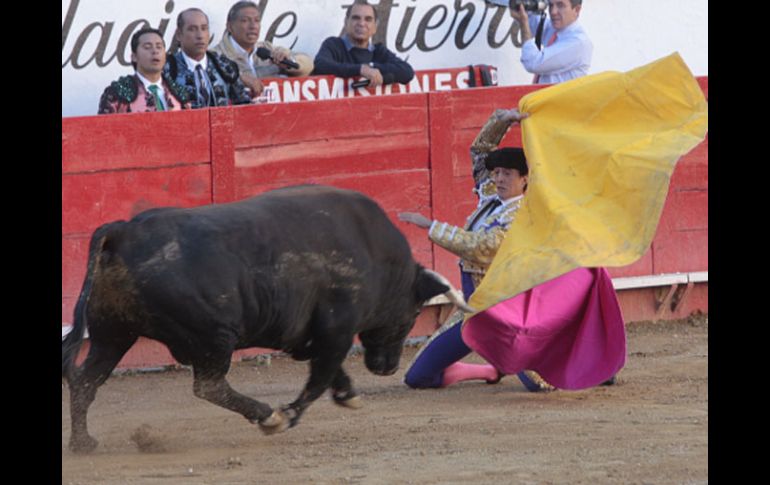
(453, 294)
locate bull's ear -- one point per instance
(428, 285)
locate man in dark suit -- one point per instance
(210, 79)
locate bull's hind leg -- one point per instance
(102, 358)
(210, 384)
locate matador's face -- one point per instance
(509, 182)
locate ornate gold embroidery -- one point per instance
(477, 247)
(487, 188)
(544, 386)
(487, 140)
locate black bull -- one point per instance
(300, 269)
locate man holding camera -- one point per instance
(564, 50)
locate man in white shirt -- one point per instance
(566, 50)
(241, 41)
(147, 89)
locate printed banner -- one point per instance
(429, 34)
(287, 90)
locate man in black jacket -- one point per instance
(208, 78)
(353, 54)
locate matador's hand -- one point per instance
(415, 218)
(512, 115)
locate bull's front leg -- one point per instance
(325, 366)
(343, 392)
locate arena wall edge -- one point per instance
(408, 152)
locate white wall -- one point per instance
(625, 33)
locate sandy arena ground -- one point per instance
(650, 428)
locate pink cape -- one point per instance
(569, 330)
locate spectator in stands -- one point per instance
(240, 44)
(564, 50)
(147, 89)
(210, 79)
(353, 54)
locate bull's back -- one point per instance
(227, 261)
(253, 233)
(316, 216)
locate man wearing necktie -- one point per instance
(565, 49)
(147, 89)
(501, 177)
(203, 87)
(210, 79)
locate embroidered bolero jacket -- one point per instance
(478, 247)
(128, 95)
(222, 73)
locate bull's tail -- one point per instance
(71, 343)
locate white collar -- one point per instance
(504, 205)
(147, 83)
(240, 50)
(192, 63)
(512, 199)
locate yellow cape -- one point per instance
(601, 150)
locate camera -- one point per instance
(529, 5)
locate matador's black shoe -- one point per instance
(610, 382)
(497, 379)
(533, 382)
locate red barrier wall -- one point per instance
(409, 152)
(114, 167)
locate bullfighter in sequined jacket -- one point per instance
(478, 241)
(222, 73)
(128, 95)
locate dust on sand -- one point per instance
(651, 427)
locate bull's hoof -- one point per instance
(354, 402)
(348, 399)
(277, 422)
(83, 445)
